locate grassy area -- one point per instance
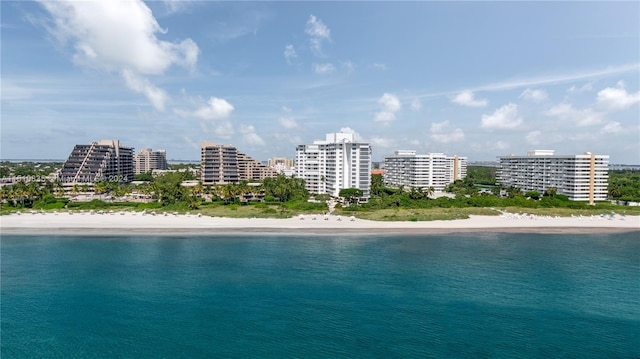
(567, 212)
(292, 209)
(419, 214)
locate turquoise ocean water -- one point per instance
(473, 295)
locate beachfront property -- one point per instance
(222, 164)
(335, 163)
(580, 177)
(104, 160)
(406, 168)
(148, 160)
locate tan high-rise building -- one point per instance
(225, 164)
(148, 160)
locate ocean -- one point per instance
(468, 295)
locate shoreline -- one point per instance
(130, 223)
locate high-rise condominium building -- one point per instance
(225, 164)
(148, 160)
(579, 177)
(104, 160)
(336, 163)
(432, 170)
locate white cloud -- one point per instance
(612, 127)
(250, 136)
(586, 87)
(222, 129)
(534, 95)
(286, 109)
(390, 104)
(349, 130)
(416, 105)
(323, 69)
(120, 36)
(379, 66)
(290, 53)
(467, 98)
(381, 142)
(441, 133)
(617, 98)
(216, 108)
(318, 32)
(566, 112)
(11, 91)
(288, 122)
(534, 138)
(506, 117)
(157, 96)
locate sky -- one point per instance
(474, 79)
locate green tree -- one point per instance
(533, 195)
(146, 176)
(167, 187)
(351, 194)
(377, 184)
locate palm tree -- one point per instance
(100, 187)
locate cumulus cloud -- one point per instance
(120, 36)
(566, 112)
(467, 98)
(222, 129)
(215, 109)
(249, 135)
(612, 127)
(506, 117)
(290, 53)
(617, 98)
(534, 95)
(318, 32)
(157, 96)
(323, 69)
(288, 122)
(390, 104)
(442, 133)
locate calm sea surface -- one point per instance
(354, 296)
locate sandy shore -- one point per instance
(110, 223)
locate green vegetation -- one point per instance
(624, 185)
(285, 197)
(35, 169)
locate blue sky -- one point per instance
(476, 79)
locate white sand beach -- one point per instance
(158, 223)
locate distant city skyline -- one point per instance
(474, 79)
